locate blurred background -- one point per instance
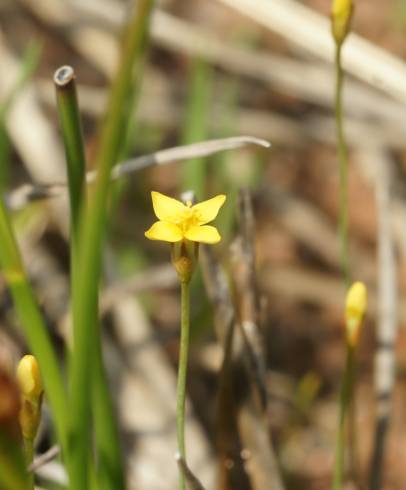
(214, 69)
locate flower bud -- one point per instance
(184, 258)
(29, 380)
(356, 305)
(341, 19)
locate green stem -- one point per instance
(343, 162)
(182, 373)
(345, 400)
(29, 458)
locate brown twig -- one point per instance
(216, 283)
(252, 417)
(242, 387)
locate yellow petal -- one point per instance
(206, 211)
(167, 232)
(166, 208)
(203, 234)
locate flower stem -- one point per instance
(29, 457)
(182, 373)
(343, 162)
(345, 400)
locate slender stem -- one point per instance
(343, 162)
(29, 458)
(345, 400)
(343, 229)
(182, 373)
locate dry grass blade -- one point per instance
(45, 457)
(310, 82)
(29, 193)
(361, 58)
(186, 152)
(387, 321)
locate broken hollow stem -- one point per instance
(182, 373)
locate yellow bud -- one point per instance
(341, 14)
(29, 381)
(29, 418)
(29, 378)
(341, 8)
(356, 305)
(184, 258)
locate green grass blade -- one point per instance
(29, 64)
(229, 98)
(195, 126)
(13, 471)
(85, 297)
(32, 323)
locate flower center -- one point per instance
(188, 218)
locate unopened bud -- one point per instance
(29, 378)
(341, 19)
(355, 309)
(31, 390)
(184, 258)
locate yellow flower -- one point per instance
(178, 221)
(355, 309)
